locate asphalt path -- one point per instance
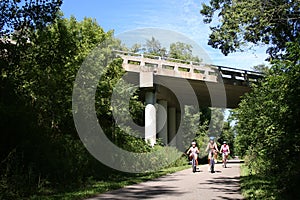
(185, 185)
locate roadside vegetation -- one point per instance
(267, 120)
(256, 186)
(268, 126)
(41, 155)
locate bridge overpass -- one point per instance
(165, 80)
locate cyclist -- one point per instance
(193, 152)
(211, 148)
(225, 152)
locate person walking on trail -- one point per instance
(225, 152)
(211, 147)
(193, 152)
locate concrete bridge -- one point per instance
(171, 83)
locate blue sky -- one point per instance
(181, 16)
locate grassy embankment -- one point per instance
(256, 186)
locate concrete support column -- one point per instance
(179, 137)
(172, 126)
(150, 118)
(162, 121)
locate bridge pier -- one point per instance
(162, 121)
(179, 138)
(172, 126)
(150, 118)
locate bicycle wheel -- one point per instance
(194, 165)
(212, 165)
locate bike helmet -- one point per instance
(224, 142)
(211, 138)
(193, 143)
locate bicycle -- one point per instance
(224, 156)
(194, 166)
(212, 162)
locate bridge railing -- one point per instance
(185, 69)
(239, 74)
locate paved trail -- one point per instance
(185, 185)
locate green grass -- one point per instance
(255, 186)
(98, 187)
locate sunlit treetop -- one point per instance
(244, 23)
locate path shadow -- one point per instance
(216, 171)
(226, 185)
(140, 192)
(228, 198)
(227, 167)
(197, 170)
(165, 179)
(229, 181)
(235, 161)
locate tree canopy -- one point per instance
(18, 19)
(177, 50)
(153, 47)
(182, 51)
(39, 144)
(243, 23)
(267, 119)
(268, 123)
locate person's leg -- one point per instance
(223, 159)
(226, 156)
(196, 159)
(191, 158)
(216, 156)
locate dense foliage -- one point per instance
(267, 120)
(243, 23)
(40, 148)
(18, 19)
(182, 51)
(39, 145)
(268, 123)
(177, 50)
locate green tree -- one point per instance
(50, 66)
(39, 136)
(18, 19)
(244, 23)
(261, 68)
(153, 47)
(228, 136)
(216, 122)
(268, 124)
(182, 51)
(136, 48)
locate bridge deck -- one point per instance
(165, 66)
(201, 77)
